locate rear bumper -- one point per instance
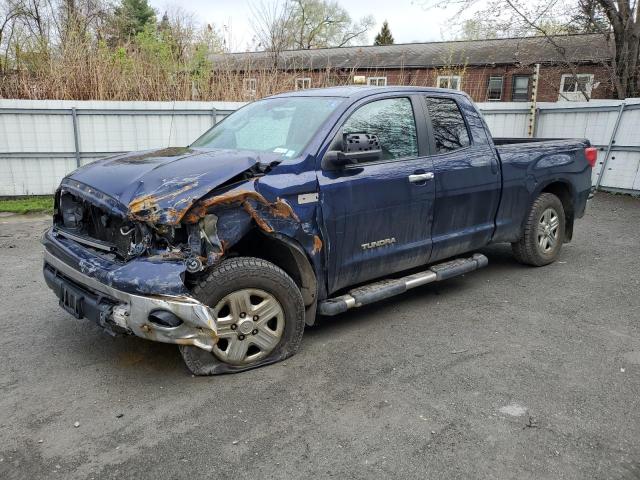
(118, 311)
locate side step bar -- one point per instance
(388, 288)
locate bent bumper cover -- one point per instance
(130, 312)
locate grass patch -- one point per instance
(22, 205)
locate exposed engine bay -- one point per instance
(123, 239)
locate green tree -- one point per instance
(131, 17)
(384, 37)
(164, 25)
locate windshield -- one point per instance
(282, 126)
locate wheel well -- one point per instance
(563, 191)
(284, 253)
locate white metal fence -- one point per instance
(611, 125)
(43, 140)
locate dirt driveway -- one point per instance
(508, 372)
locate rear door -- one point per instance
(467, 177)
(377, 215)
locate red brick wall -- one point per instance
(474, 79)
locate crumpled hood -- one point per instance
(160, 186)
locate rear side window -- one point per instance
(392, 121)
(449, 128)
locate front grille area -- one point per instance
(83, 220)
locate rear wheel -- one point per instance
(259, 312)
(543, 233)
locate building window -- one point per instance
(494, 89)
(520, 92)
(572, 86)
(249, 85)
(377, 81)
(303, 83)
(449, 81)
(449, 128)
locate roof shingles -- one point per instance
(591, 48)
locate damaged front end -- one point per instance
(131, 267)
(200, 232)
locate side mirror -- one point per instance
(356, 147)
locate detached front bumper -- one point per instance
(179, 319)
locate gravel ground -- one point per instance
(509, 372)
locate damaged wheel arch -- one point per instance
(242, 222)
(287, 254)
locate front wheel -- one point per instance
(259, 312)
(543, 233)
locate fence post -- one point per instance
(611, 142)
(536, 121)
(74, 118)
(214, 116)
(533, 110)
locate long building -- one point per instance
(572, 67)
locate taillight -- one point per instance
(591, 154)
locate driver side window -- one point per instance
(392, 121)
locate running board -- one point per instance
(388, 288)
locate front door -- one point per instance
(377, 215)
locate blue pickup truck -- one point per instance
(302, 204)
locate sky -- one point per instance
(409, 20)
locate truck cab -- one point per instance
(443, 159)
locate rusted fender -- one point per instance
(249, 200)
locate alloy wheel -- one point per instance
(250, 325)
(548, 230)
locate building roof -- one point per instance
(583, 48)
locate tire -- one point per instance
(253, 284)
(545, 222)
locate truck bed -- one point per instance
(529, 162)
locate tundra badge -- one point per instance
(379, 243)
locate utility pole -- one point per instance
(533, 112)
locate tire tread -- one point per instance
(525, 249)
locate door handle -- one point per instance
(421, 177)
